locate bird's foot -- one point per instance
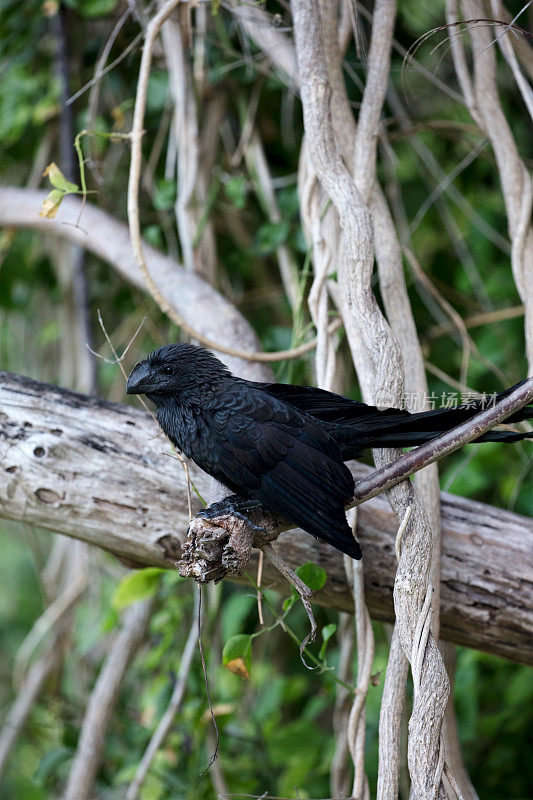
(220, 539)
(234, 506)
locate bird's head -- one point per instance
(175, 369)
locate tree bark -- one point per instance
(103, 473)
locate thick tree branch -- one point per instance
(197, 303)
(100, 233)
(100, 472)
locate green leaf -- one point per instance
(235, 190)
(271, 235)
(50, 763)
(157, 90)
(237, 655)
(314, 576)
(327, 633)
(96, 8)
(154, 235)
(58, 180)
(289, 601)
(288, 201)
(136, 585)
(50, 332)
(165, 194)
(234, 612)
(109, 619)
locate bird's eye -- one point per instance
(167, 370)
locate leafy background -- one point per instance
(275, 728)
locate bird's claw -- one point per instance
(220, 540)
(234, 506)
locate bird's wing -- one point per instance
(319, 403)
(286, 459)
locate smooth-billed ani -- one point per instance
(284, 445)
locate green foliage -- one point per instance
(19, 88)
(92, 8)
(157, 91)
(494, 702)
(50, 763)
(312, 575)
(237, 655)
(236, 190)
(165, 194)
(327, 632)
(135, 586)
(270, 236)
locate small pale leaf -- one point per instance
(51, 204)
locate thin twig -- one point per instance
(110, 343)
(28, 693)
(258, 593)
(105, 694)
(214, 754)
(99, 75)
(339, 779)
(468, 344)
(486, 318)
(302, 590)
(95, 86)
(443, 184)
(116, 360)
(445, 378)
(462, 25)
(51, 616)
(356, 727)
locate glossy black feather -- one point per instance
(256, 445)
(282, 444)
(356, 426)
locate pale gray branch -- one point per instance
(103, 699)
(99, 233)
(98, 471)
(28, 693)
(168, 717)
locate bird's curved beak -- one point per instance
(139, 381)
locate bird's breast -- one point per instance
(181, 424)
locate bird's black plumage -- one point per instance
(282, 444)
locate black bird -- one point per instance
(281, 444)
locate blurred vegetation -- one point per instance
(275, 729)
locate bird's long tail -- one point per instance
(396, 428)
(356, 426)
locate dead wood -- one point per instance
(100, 472)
